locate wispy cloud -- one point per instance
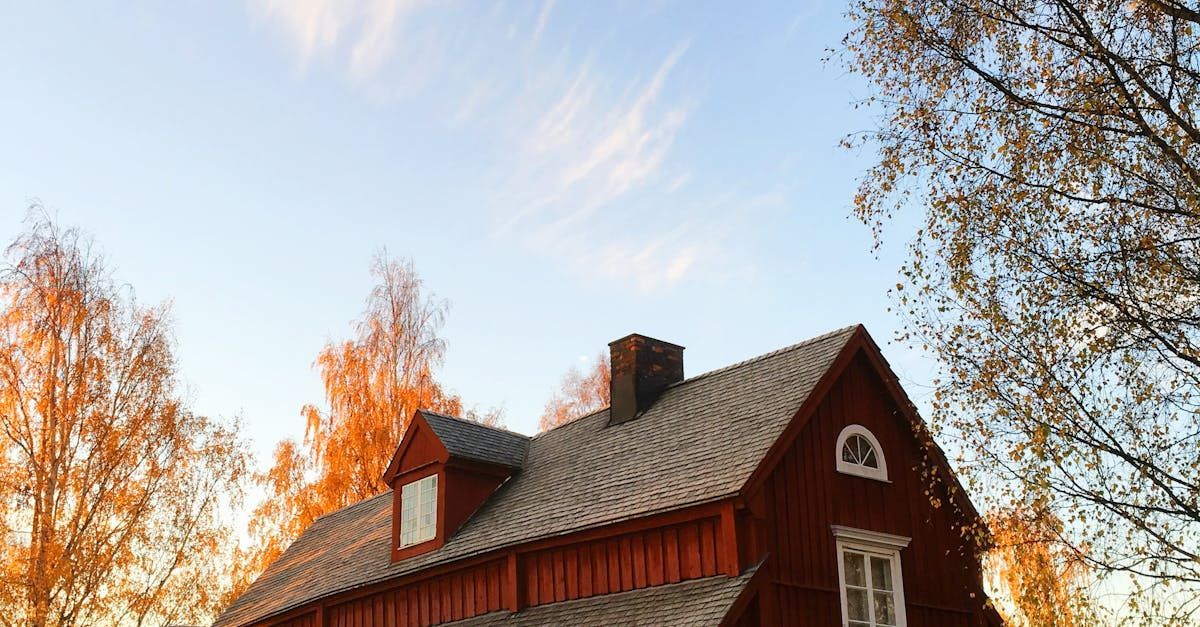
(365, 31)
(542, 19)
(588, 149)
(587, 160)
(631, 146)
(588, 178)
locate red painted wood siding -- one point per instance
(752, 617)
(454, 596)
(462, 492)
(649, 553)
(805, 495)
(422, 448)
(627, 562)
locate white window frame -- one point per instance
(877, 544)
(421, 506)
(878, 474)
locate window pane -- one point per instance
(881, 573)
(848, 453)
(858, 450)
(885, 608)
(856, 623)
(418, 521)
(855, 569)
(856, 604)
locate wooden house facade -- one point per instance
(789, 489)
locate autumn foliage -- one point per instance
(579, 394)
(374, 383)
(111, 490)
(1043, 582)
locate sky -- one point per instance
(562, 173)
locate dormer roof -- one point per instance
(470, 440)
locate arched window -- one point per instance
(859, 453)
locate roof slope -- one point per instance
(695, 603)
(463, 438)
(698, 443)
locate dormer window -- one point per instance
(444, 469)
(418, 507)
(858, 453)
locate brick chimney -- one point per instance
(642, 367)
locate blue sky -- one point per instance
(563, 173)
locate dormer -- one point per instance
(444, 469)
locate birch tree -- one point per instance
(113, 493)
(374, 383)
(579, 394)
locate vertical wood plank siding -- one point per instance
(628, 562)
(454, 596)
(752, 617)
(650, 557)
(806, 495)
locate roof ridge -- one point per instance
(774, 353)
(739, 364)
(474, 423)
(571, 421)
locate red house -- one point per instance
(787, 489)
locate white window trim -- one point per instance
(866, 536)
(871, 543)
(417, 537)
(878, 474)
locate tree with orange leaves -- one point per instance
(580, 394)
(111, 490)
(374, 383)
(1041, 580)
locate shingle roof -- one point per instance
(695, 603)
(463, 438)
(698, 443)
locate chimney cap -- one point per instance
(648, 339)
